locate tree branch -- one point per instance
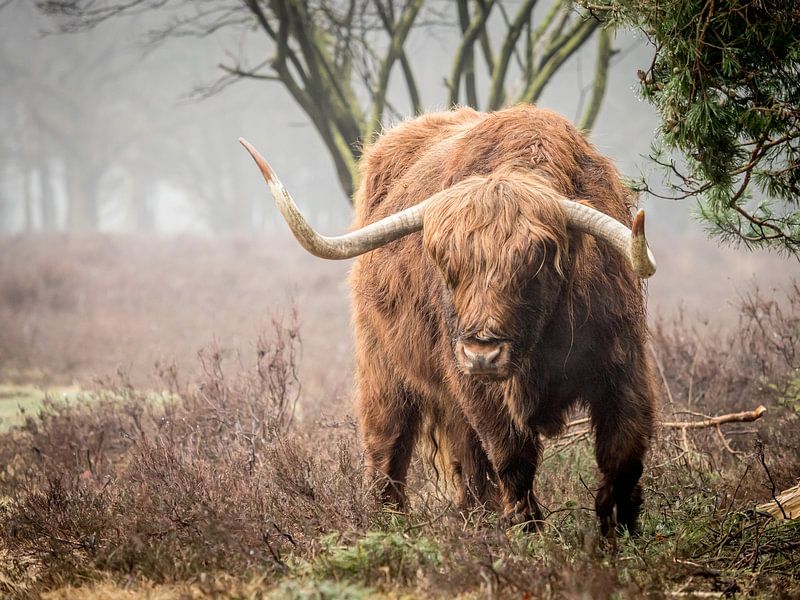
(469, 61)
(571, 42)
(339, 106)
(255, 8)
(486, 44)
(408, 73)
(540, 30)
(339, 148)
(746, 416)
(600, 83)
(741, 417)
(398, 39)
(467, 41)
(578, 430)
(496, 90)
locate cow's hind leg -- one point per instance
(623, 423)
(389, 420)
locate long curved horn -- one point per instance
(629, 242)
(367, 238)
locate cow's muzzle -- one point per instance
(484, 358)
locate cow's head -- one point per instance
(500, 243)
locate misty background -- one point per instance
(104, 130)
(123, 189)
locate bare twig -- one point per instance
(773, 487)
(660, 367)
(570, 438)
(740, 417)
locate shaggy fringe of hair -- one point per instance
(476, 210)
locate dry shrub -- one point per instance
(758, 363)
(53, 284)
(218, 484)
(170, 486)
(74, 306)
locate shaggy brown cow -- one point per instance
(482, 331)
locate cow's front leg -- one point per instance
(472, 473)
(516, 463)
(514, 456)
(389, 419)
(623, 423)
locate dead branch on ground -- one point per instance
(573, 435)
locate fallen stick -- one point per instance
(740, 417)
(786, 505)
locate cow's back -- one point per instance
(424, 155)
(406, 152)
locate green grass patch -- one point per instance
(320, 590)
(378, 556)
(18, 401)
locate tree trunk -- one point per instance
(27, 196)
(4, 171)
(47, 199)
(82, 208)
(142, 205)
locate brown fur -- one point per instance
(496, 260)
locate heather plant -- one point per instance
(220, 488)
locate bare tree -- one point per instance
(337, 57)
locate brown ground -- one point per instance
(75, 307)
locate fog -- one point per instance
(101, 113)
(102, 131)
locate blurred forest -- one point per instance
(130, 125)
(99, 135)
(176, 372)
(127, 122)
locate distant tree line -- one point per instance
(336, 58)
(71, 126)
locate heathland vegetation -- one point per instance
(239, 474)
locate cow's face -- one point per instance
(501, 255)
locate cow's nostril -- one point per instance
(469, 353)
(491, 356)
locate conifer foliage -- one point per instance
(725, 78)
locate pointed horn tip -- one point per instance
(263, 165)
(637, 229)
